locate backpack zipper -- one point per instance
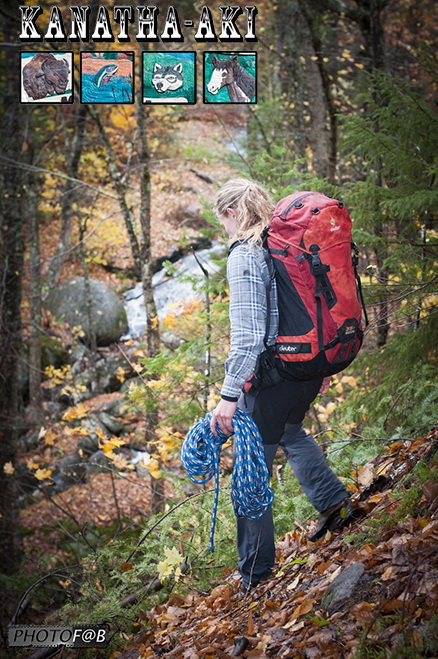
(295, 201)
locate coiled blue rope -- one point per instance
(250, 490)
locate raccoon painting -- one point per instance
(167, 78)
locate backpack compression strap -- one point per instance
(358, 282)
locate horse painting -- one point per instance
(230, 74)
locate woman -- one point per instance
(244, 209)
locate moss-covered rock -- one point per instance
(68, 303)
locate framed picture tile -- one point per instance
(169, 77)
(230, 77)
(46, 77)
(107, 77)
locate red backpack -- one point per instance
(319, 293)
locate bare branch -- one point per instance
(13, 163)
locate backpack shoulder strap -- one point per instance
(271, 270)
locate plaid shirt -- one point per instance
(248, 275)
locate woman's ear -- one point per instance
(231, 212)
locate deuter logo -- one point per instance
(335, 227)
(289, 348)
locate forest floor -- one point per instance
(389, 609)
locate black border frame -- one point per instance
(231, 53)
(167, 52)
(53, 52)
(83, 52)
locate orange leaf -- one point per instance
(250, 628)
(125, 567)
(304, 607)
(376, 498)
(322, 567)
(391, 606)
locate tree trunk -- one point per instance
(73, 156)
(35, 413)
(120, 187)
(12, 185)
(322, 107)
(372, 31)
(289, 31)
(94, 384)
(152, 331)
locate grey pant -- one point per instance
(255, 537)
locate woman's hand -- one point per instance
(223, 415)
(325, 385)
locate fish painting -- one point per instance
(104, 81)
(103, 76)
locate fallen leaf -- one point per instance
(363, 612)
(42, 474)
(430, 491)
(250, 628)
(302, 609)
(388, 574)
(293, 626)
(392, 606)
(294, 583)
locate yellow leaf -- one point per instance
(170, 320)
(349, 379)
(120, 462)
(114, 442)
(121, 374)
(152, 465)
(389, 573)
(49, 438)
(171, 563)
(79, 431)
(30, 464)
(77, 412)
(42, 474)
(9, 468)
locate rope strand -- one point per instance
(250, 490)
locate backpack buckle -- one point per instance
(316, 267)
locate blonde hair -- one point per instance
(253, 204)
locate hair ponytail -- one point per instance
(253, 204)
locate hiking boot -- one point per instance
(245, 589)
(335, 517)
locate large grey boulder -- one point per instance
(349, 587)
(68, 303)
